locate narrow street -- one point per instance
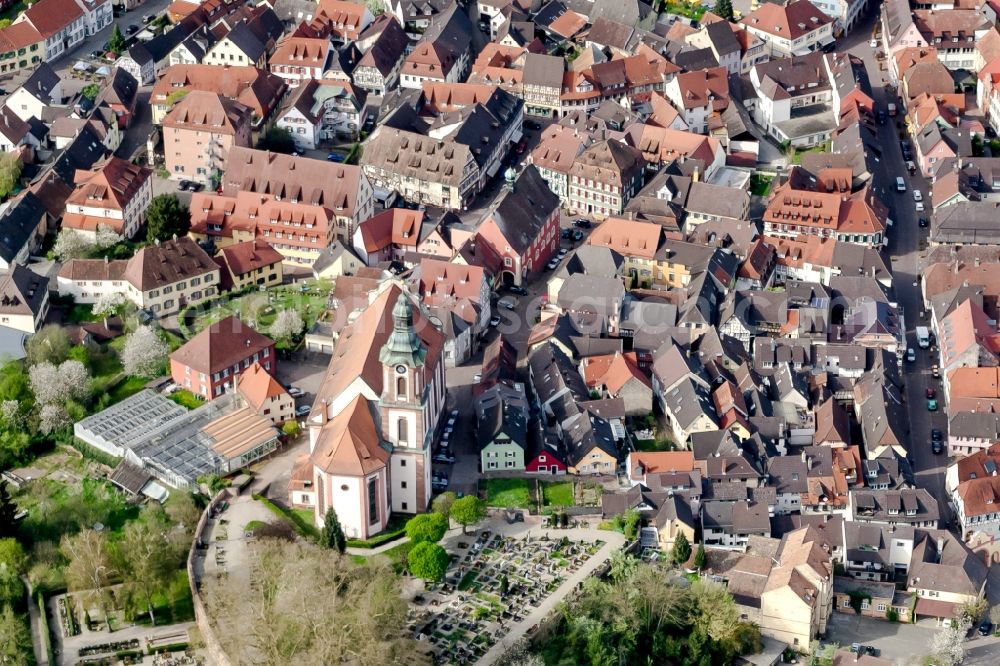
(905, 241)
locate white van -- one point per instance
(900, 184)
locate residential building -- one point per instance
(255, 88)
(914, 507)
(604, 177)
(344, 21)
(444, 52)
(340, 192)
(858, 217)
(113, 194)
(199, 132)
(209, 363)
(523, 228)
(459, 297)
(542, 84)
(62, 24)
(42, 90)
(378, 70)
(554, 156)
(163, 278)
(619, 376)
(502, 429)
(388, 236)
(25, 221)
(300, 59)
(319, 112)
(265, 394)
(789, 30)
(250, 264)
(700, 96)
(953, 33)
(796, 98)
(24, 299)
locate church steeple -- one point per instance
(403, 346)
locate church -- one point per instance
(371, 426)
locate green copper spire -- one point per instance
(403, 346)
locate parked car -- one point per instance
(872, 651)
(295, 392)
(582, 223)
(932, 405)
(911, 167)
(917, 195)
(507, 303)
(924, 222)
(985, 628)
(532, 125)
(334, 157)
(935, 372)
(937, 448)
(515, 289)
(566, 234)
(303, 410)
(97, 53)
(476, 378)
(936, 435)
(444, 459)
(911, 355)
(873, 44)
(552, 265)
(919, 206)
(562, 252)
(131, 30)
(182, 185)
(494, 320)
(577, 235)
(931, 393)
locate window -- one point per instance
(400, 388)
(403, 505)
(402, 462)
(847, 603)
(881, 608)
(402, 484)
(372, 501)
(864, 604)
(402, 431)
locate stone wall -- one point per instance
(216, 654)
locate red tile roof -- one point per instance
(220, 346)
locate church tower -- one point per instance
(407, 385)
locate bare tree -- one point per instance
(90, 568)
(948, 644)
(287, 325)
(144, 352)
(146, 555)
(71, 244)
(274, 615)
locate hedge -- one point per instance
(46, 636)
(305, 530)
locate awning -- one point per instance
(516, 136)
(492, 171)
(828, 39)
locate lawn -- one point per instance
(508, 493)
(654, 445)
(55, 509)
(823, 148)
(185, 398)
(308, 298)
(695, 11)
(394, 530)
(760, 185)
(171, 605)
(128, 387)
(558, 494)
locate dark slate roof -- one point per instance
(160, 47)
(120, 88)
(19, 223)
(522, 213)
(245, 40)
(42, 82)
(503, 418)
(82, 153)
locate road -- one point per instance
(906, 240)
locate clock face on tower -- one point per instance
(401, 369)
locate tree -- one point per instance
(291, 428)
(10, 174)
(681, 552)
(166, 218)
(442, 504)
(287, 325)
(144, 353)
(699, 557)
(332, 535)
(8, 512)
(54, 385)
(90, 569)
(90, 92)
(15, 639)
(974, 611)
(948, 644)
(468, 510)
(630, 527)
(50, 344)
(177, 96)
(724, 8)
(106, 237)
(264, 616)
(182, 511)
(108, 305)
(12, 556)
(147, 561)
(5, 23)
(426, 527)
(116, 43)
(428, 561)
(278, 140)
(71, 244)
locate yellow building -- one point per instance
(252, 263)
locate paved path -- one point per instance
(37, 639)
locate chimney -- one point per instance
(803, 455)
(940, 547)
(325, 416)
